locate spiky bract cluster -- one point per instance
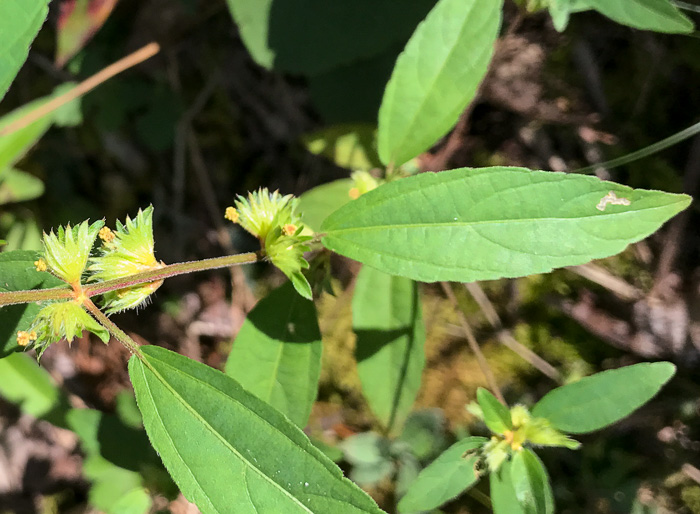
(124, 252)
(66, 253)
(272, 219)
(57, 321)
(262, 211)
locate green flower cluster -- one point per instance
(271, 217)
(67, 255)
(513, 429)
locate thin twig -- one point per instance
(506, 337)
(604, 278)
(238, 279)
(98, 78)
(144, 277)
(691, 471)
(473, 344)
(117, 332)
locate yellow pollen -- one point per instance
(106, 234)
(231, 214)
(289, 229)
(40, 265)
(23, 338)
(354, 193)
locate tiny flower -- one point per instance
(66, 253)
(106, 234)
(57, 321)
(231, 214)
(127, 251)
(40, 265)
(289, 229)
(262, 211)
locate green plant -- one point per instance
(236, 439)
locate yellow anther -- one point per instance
(40, 265)
(354, 193)
(231, 214)
(106, 234)
(23, 338)
(289, 229)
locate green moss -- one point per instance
(691, 498)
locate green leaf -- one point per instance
(369, 454)
(19, 273)
(466, 225)
(28, 385)
(18, 186)
(424, 433)
(350, 146)
(449, 475)
(20, 22)
(657, 15)
(387, 319)
(604, 398)
(277, 353)
(114, 455)
(15, 145)
(560, 10)
(531, 483)
(496, 415)
(436, 76)
(320, 202)
(312, 36)
(223, 446)
(503, 499)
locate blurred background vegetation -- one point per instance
(203, 121)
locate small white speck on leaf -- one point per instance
(611, 199)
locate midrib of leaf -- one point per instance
(440, 72)
(211, 429)
(470, 224)
(170, 440)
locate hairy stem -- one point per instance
(117, 332)
(171, 270)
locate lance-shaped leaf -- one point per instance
(657, 15)
(18, 186)
(20, 22)
(312, 36)
(604, 398)
(277, 353)
(496, 415)
(78, 22)
(19, 273)
(480, 224)
(436, 76)
(531, 483)
(446, 477)
(503, 499)
(224, 447)
(387, 318)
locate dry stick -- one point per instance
(238, 279)
(98, 78)
(505, 336)
(604, 278)
(473, 344)
(691, 471)
(672, 241)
